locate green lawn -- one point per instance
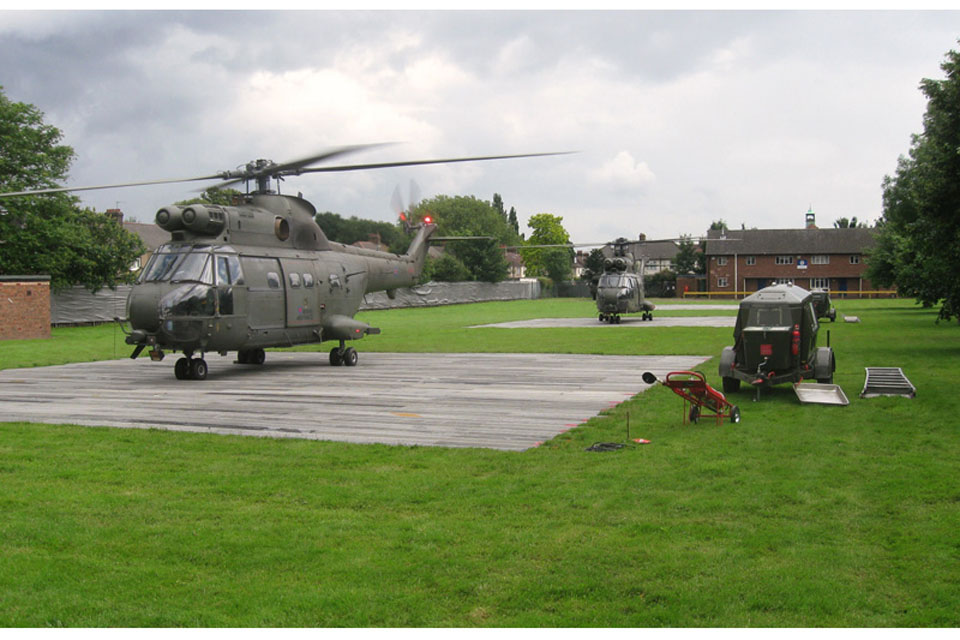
(797, 516)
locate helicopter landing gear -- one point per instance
(190, 369)
(647, 317)
(344, 356)
(251, 356)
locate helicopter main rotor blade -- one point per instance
(410, 163)
(293, 167)
(108, 186)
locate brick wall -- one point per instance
(24, 307)
(766, 270)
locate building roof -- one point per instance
(789, 241)
(152, 235)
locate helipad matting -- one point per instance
(499, 401)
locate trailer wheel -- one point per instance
(694, 414)
(731, 385)
(735, 414)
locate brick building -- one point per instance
(749, 260)
(24, 307)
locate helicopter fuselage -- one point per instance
(257, 275)
(620, 291)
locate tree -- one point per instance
(354, 229)
(512, 219)
(468, 216)
(919, 232)
(554, 262)
(50, 234)
(214, 195)
(593, 265)
(852, 223)
(685, 261)
(446, 268)
(718, 225)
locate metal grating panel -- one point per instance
(887, 381)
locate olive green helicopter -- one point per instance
(620, 287)
(260, 273)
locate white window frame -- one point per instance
(820, 259)
(722, 282)
(750, 260)
(855, 259)
(782, 260)
(721, 261)
(820, 283)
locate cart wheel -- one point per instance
(694, 414)
(735, 414)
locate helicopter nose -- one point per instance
(143, 309)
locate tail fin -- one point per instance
(419, 245)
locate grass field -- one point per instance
(798, 516)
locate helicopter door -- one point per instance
(266, 301)
(302, 308)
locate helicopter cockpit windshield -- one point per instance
(616, 280)
(179, 264)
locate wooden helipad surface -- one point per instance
(499, 401)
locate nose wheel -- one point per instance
(190, 369)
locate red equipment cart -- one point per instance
(693, 388)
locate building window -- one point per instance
(819, 259)
(819, 283)
(750, 260)
(784, 260)
(722, 261)
(855, 259)
(722, 283)
(783, 281)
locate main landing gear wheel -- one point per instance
(251, 356)
(735, 414)
(350, 357)
(347, 357)
(190, 369)
(198, 369)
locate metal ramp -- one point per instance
(887, 381)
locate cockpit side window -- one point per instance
(228, 270)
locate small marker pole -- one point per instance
(628, 426)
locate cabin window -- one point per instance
(308, 280)
(295, 280)
(273, 280)
(784, 260)
(334, 280)
(228, 270)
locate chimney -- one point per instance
(116, 215)
(811, 219)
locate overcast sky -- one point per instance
(679, 118)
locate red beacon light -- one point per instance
(795, 347)
(428, 219)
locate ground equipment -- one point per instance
(698, 395)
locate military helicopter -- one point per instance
(620, 288)
(261, 273)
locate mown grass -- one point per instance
(800, 515)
